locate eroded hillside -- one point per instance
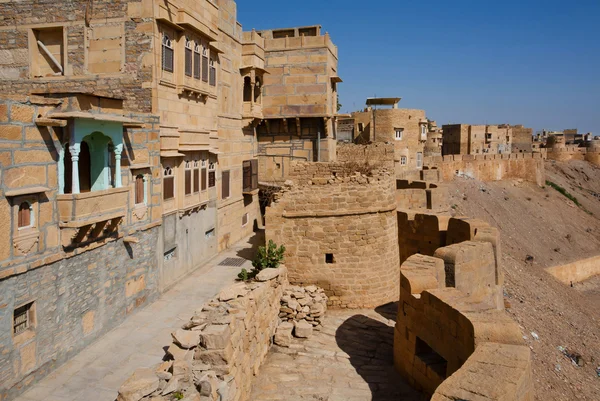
(545, 224)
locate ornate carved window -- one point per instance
(204, 64)
(213, 73)
(168, 184)
(188, 177)
(139, 189)
(188, 57)
(197, 57)
(167, 53)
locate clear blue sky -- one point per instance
(531, 62)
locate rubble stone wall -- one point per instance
(216, 354)
(340, 233)
(526, 166)
(414, 195)
(373, 154)
(75, 301)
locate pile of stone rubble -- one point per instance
(302, 311)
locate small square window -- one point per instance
(23, 318)
(329, 258)
(399, 133)
(403, 160)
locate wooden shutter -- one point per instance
(139, 189)
(205, 68)
(247, 176)
(196, 180)
(196, 65)
(225, 185)
(188, 182)
(211, 179)
(254, 164)
(188, 62)
(213, 75)
(24, 218)
(203, 174)
(168, 187)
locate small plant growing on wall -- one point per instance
(270, 256)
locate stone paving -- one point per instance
(350, 359)
(97, 372)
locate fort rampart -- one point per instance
(339, 228)
(526, 166)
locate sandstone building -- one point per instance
(405, 128)
(128, 154)
(299, 101)
(465, 139)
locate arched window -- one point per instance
(213, 73)
(24, 218)
(204, 64)
(197, 61)
(188, 57)
(168, 184)
(167, 53)
(247, 89)
(139, 189)
(257, 90)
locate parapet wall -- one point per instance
(451, 327)
(340, 232)
(419, 195)
(526, 166)
(577, 271)
(566, 153)
(216, 354)
(373, 154)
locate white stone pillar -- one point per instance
(74, 149)
(118, 150)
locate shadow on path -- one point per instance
(256, 240)
(369, 343)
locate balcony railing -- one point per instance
(78, 210)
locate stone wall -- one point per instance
(340, 233)
(577, 271)
(415, 195)
(215, 355)
(376, 154)
(566, 153)
(452, 338)
(526, 166)
(75, 301)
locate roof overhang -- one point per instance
(99, 117)
(336, 79)
(383, 101)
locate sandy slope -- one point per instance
(543, 223)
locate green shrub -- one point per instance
(564, 192)
(243, 275)
(270, 256)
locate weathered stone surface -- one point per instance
(267, 274)
(179, 353)
(232, 292)
(283, 335)
(185, 338)
(140, 384)
(215, 336)
(172, 386)
(303, 329)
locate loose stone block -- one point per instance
(139, 385)
(303, 329)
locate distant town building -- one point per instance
(407, 129)
(465, 139)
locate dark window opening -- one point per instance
(225, 185)
(139, 189)
(23, 318)
(188, 57)
(85, 171)
(283, 33)
(247, 90)
(257, 90)
(308, 31)
(24, 218)
(203, 181)
(205, 65)
(188, 182)
(329, 258)
(197, 58)
(168, 184)
(213, 74)
(196, 180)
(250, 175)
(167, 53)
(430, 358)
(211, 179)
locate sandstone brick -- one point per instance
(22, 113)
(11, 132)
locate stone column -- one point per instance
(74, 149)
(118, 150)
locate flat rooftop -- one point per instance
(383, 101)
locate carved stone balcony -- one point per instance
(89, 216)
